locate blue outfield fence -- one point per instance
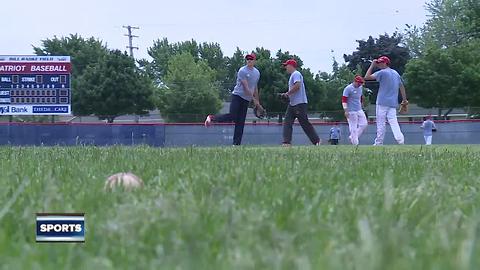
(81, 134)
(178, 135)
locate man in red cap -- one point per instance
(297, 107)
(387, 98)
(245, 90)
(352, 101)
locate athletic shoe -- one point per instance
(209, 121)
(286, 144)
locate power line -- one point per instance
(130, 38)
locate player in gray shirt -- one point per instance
(334, 135)
(352, 99)
(246, 90)
(297, 107)
(428, 127)
(387, 98)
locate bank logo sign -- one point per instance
(60, 227)
(35, 110)
(8, 109)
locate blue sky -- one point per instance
(310, 29)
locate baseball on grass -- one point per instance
(128, 181)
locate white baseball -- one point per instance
(128, 181)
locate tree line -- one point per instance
(187, 80)
(445, 70)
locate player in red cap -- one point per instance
(387, 98)
(245, 90)
(297, 107)
(352, 101)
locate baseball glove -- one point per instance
(403, 107)
(259, 112)
(284, 98)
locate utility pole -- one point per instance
(131, 47)
(130, 38)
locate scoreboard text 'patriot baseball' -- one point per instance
(35, 85)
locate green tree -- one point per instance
(273, 80)
(472, 18)
(450, 23)
(83, 51)
(212, 53)
(412, 36)
(190, 91)
(367, 50)
(112, 87)
(445, 25)
(446, 78)
(162, 52)
(444, 73)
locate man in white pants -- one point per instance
(352, 100)
(387, 98)
(428, 127)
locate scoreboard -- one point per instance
(35, 85)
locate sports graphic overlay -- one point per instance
(60, 227)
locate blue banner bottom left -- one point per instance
(60, 227)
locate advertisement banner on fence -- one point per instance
(35, 110)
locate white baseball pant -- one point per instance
(428, 140)
(357, 122)
(385, 113)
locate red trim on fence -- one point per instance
(273, 123)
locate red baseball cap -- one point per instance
(383, 59)
(290, 62)
(251, 56)
(359, 79)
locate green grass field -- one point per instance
(247, 208)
